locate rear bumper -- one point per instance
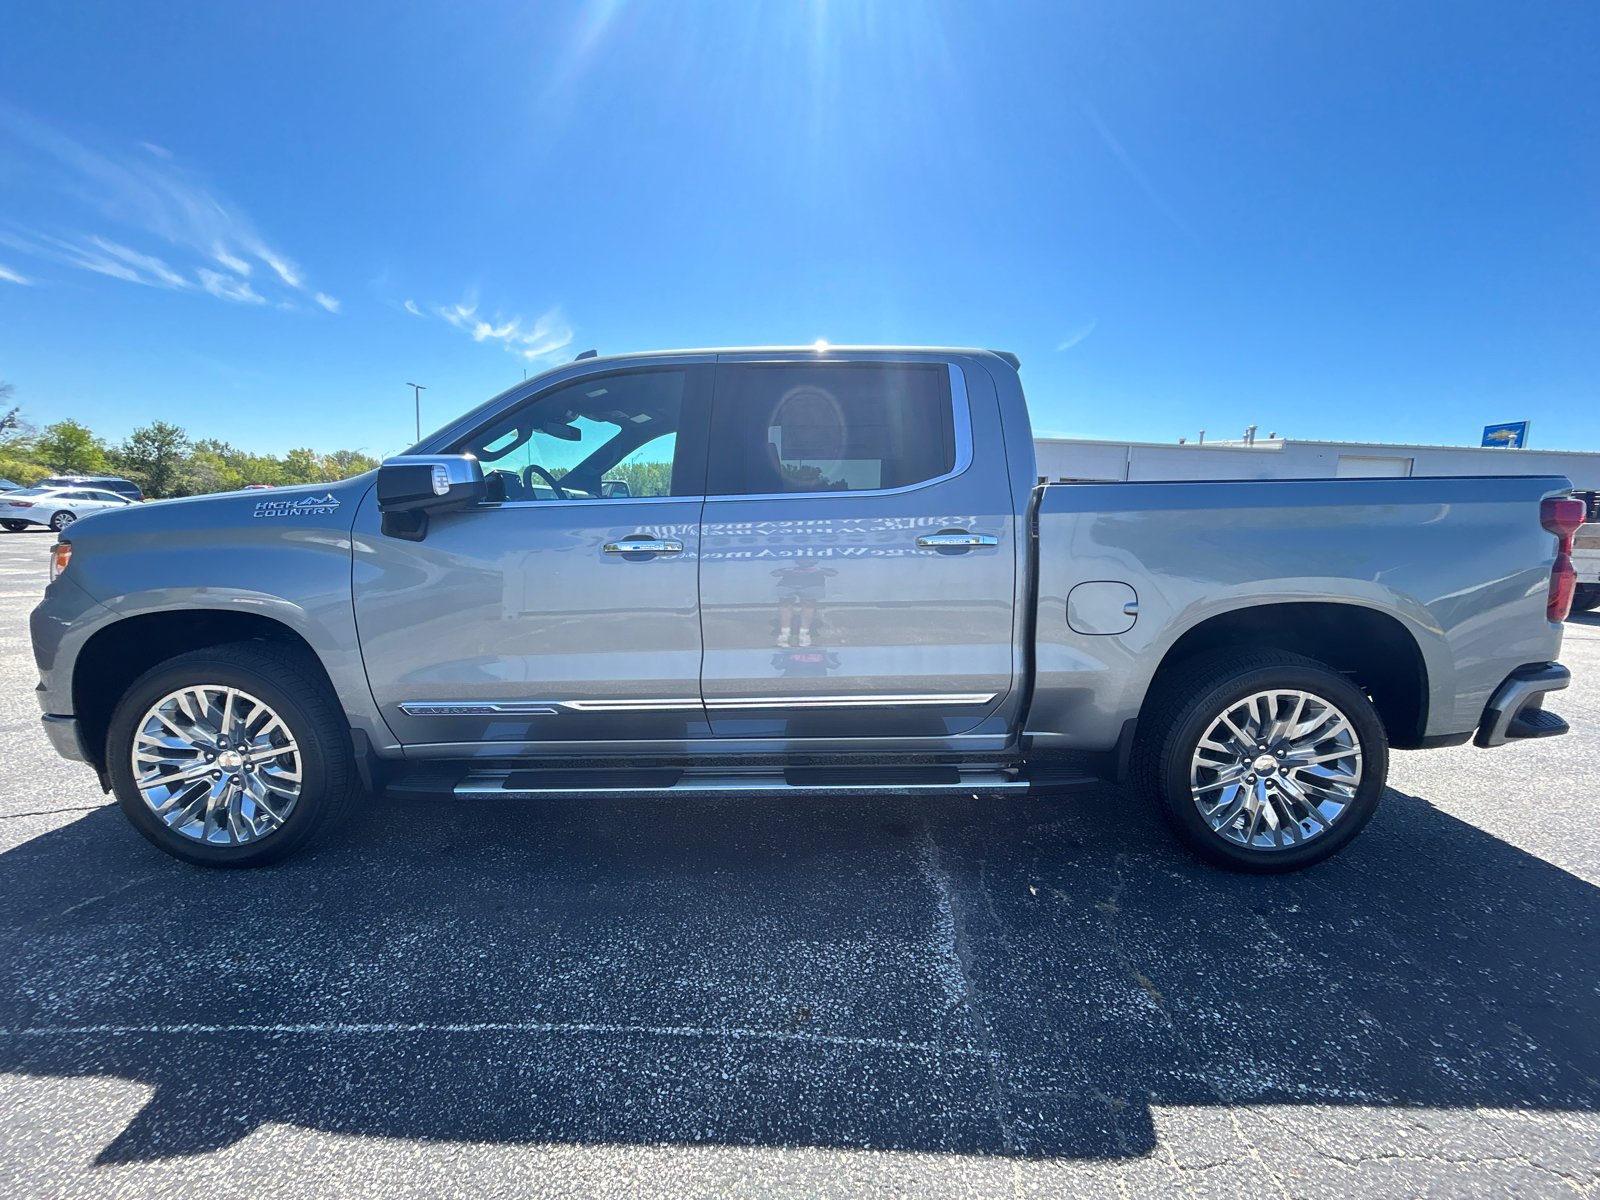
(63, 735)
(1516, 710)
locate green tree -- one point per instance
(306, 466)
(350, 463)
(155, 457)
(69, 448)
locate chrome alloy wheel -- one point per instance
(216, 764)
(1276, 770)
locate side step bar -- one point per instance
(438, 783)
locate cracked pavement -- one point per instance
(826, 998)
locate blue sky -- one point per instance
(1334, 220)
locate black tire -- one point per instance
(1193, 701)
(289, 682)
(62, 519)
(1586, 598)
(14, 526)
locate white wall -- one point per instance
(1062, 458)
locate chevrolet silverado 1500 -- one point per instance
(793, 571)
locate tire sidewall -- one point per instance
(62, 519)
(1202, 711)
(200, 668)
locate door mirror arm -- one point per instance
(413, 486)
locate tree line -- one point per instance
(161, 458)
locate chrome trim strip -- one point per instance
(551, 708)
(908, 700)
(664, 705)
(446, 708)
(961, 419)
(603, 500)
(540, 708)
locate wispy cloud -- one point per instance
(411, 307)
(226, 287)
(544, 340)
(11, 276)
(206, 243)
(1077, 335)
(1139, 177)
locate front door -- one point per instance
(569, 611)
(858, 560)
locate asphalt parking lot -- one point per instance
(995, 998)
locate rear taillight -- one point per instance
(20, 503)
(1562, 518)
(60, 556)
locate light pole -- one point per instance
(416, 390)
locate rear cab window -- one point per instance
(788, 428)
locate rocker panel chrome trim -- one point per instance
(551, 708)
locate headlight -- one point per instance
(60, 556)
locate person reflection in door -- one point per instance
(800, 588)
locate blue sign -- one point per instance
(1512, 434)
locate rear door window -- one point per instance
(780, 428)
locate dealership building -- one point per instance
(1076, 460)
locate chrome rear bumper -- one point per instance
(1516, 710)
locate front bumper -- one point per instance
(63, 735)
(1516, 710)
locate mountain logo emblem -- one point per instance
(306, 506)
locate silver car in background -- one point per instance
(54, 507)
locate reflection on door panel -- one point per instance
(819, 624)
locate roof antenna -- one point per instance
(587, 354)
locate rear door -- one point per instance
(858, 559)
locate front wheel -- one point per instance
(1263, 762)
(62, 519)
(13, 526)
(232, 756)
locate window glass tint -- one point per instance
(601, 438)
(829, 427)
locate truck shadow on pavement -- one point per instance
(1022, 977)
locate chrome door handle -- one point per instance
(644, 546)
(938, 540)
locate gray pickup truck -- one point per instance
(793, 571)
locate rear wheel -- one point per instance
(1264, 762)
(232, 756)
(1586, 598)
(13, 526)
(62, 519)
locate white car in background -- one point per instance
(55, 507)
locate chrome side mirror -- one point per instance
(410, 486)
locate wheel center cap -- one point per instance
(230, 760)
(1265, 764)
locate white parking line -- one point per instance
(337, 1029)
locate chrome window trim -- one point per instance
(551, 708)
(960, 420)
(601, 500)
